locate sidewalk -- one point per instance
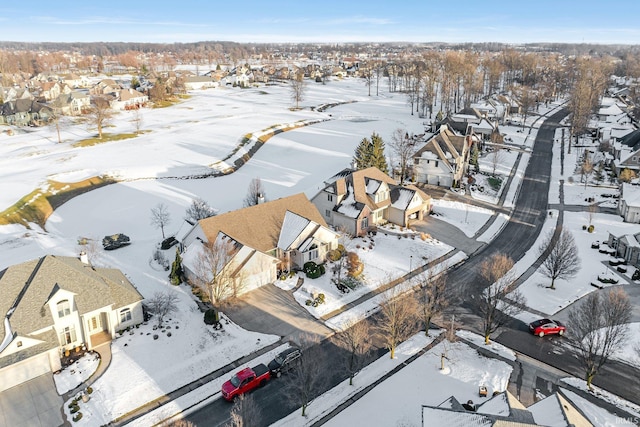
(163, 400)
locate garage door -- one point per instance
(24, 371)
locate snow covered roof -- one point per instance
(557, 411)
(451, 418)
(292, 227)
(630, 194)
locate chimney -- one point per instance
(260, 198)
(84, 258)
(354, 164)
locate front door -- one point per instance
(95, 324)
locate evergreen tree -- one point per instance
(176, 269)
(363, 154)
(473, 160)
(377, 153)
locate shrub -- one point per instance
(341, 249)
(313, 270)
(584, 227)
(308, 302)
(74, 408)
(590, 229)
(635, 275)
(334, 255)
(211, 316)
(89, 390)
(77, 417)
(320, 298)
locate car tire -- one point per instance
(540, 334)
(263, 383)
(561, 332)
(278, 374)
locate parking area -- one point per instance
(34, 403)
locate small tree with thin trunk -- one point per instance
(137, 120)
(627, 175)
(100, 114)
(160, 217)
(307, 377)
(599, 326)
(432, 296)
(245, 412)
(586, 168)
(355, 339)
(163, 304)
(399, 315)
(214, 271)
(404, 147)
(562, 261)
(496, 158)
(495, 296)
(297, 86)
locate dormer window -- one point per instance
(64, 308)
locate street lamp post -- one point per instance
(410, 263)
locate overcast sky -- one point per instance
(325, 21)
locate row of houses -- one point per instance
(55, 304)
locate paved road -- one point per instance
(515, 239)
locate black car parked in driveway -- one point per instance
(284, 361)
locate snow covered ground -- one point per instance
(185, 140)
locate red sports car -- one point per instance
(544, 327)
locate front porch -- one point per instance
(99, 338)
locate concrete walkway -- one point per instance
(104, 350)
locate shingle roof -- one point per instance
(27, 287)
(259, 226)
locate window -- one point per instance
(313, 254)
(327, 213)
(365, 223)
(125, 315)
(436, 163)
(330, 197)
(64, 308)
(68, 335)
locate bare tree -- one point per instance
(495, 157)
(562, 261)
(100, 114)
(297, 86)
(586, 168)
(137, 120)
(404, 148)
(181, 423)
(214, 270)
(433, 296)
(399, 315)
(245, 412)
(199, 209)
(307, 377)
(497, 299)
(255, 193)
(355, 339)
(160, 217)
(162, 304)
(599, 326)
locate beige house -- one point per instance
(264, 239)
(355, 200)
(54, 304)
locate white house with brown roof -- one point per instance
(54, 304)
(355, 200)
(276, 235)
(129, 99)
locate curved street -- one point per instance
(516, 238)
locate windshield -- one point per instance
(235, 381)
(279, 360)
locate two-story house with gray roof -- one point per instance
(54, 304)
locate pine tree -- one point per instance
(473, 160)
(176, 269)
(363, 154)
(377, 153)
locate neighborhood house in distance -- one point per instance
(56, 304)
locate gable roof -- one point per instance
(259, 226)
(27, 287)
(446, 144)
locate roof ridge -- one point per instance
(25, 287)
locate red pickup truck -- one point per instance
(245, 381)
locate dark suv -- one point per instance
(284, 361)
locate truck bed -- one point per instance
(260, 370)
